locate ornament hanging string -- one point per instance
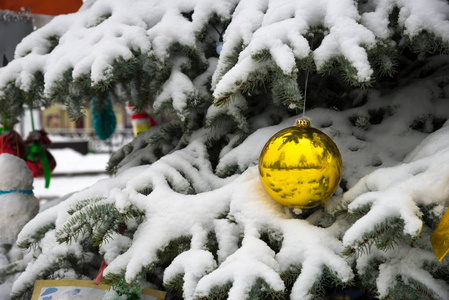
(305, 87)
(220, 33)
(220, 39)
(305, 94)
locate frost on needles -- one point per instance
(185, 210)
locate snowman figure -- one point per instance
(17, 202)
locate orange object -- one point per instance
(43, 7)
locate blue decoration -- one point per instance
(29, 192)
(49, 291)
(103, 117)
(219, 47)
(72, 292)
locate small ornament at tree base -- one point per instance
(300, 167)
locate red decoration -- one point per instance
(11, 142)
(141, 120)
(100, 272)
(33, 161)
(103, 263)
(43, 7)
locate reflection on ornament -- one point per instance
(300, 166)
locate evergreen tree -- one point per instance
(185, 209)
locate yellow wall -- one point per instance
(56, 117)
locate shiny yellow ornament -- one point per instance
(440, 237)
(300, 166)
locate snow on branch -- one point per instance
(170, 213)
(283, 30)
(91, 46)
(101, 44)
(399, 191)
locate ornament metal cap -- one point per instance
(303, 123)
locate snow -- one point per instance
(274, 25)
(15, 173)
(194, 264)
(188, 199)
(76, 168)
(404, 180)
(396, 191)
(87, 46)
(177, 90)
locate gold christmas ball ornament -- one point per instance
(300, 166)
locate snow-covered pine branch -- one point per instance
(285, 31)
(188, 192)
(109, 42)
(226, 236)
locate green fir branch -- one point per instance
(217, 292)
(428, 216)
(82, 204)
(217, 22)
(285, 89)
(175, 284)
(33, 240)
(357, 213)
(290, 275)
(25, 293)
(229, 170)
(262, 56)
(369, 275)
(262, 290)
(100, 20)
(327, 279)
(169, 252)
(10, 270)
(273, 239)
(384, 58)
(60, 88)
(98, 220)
(231, 60)
(315, 36)
(132, 291)
(385, 236)
(349, 73)
(52, 43)
(254, 80)
(410, 289)
(146, 191)
(427, 43)
(306, 64)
